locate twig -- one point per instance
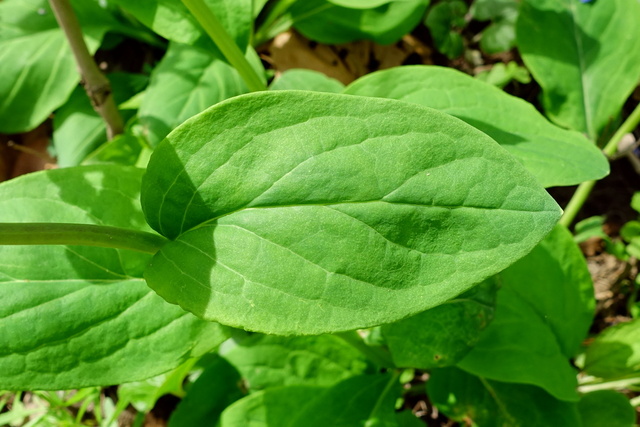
(94, 82)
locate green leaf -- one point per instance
(81, 316)
(317, 212)
(325, 22)
(500, 35)
(444, 21)
(502, 74)
(173, 21)
(467, 398)
(124, 149)
(615, 352)
(78, 129)
(186, 81)
(300, 79)
(444, 334)
(360, 4)
(38, 69)
(555, 156)
(268, 361)
(544, 311)
(361, 400)
(593, 65)
(215, 389)
(606, 408)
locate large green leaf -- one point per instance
(318, 212)
(555, 156)
(187, 81)
(269, 361)
(606, 408)
(360, 400)
(444, 334)
(544, 311)
(615, 352)
(173, 21)
(326, 22)
(38, 69)
(593, 64)
(466, 398)
(79, 316)
(301, 79)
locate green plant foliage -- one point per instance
(360, 4)
(500, 35)
(444, 334)
(300, 79)
(270, 361)
(547, 299)
(79, 130)
(445, 20)
(463, 397)
(360, 400)
(615, 352)
(606, 408)
(173, 21)
(216, 388)
(502, 74)
(593, 64)
(125, 149)
(325, 22)
(553, 155)
(38, 70)
(313, 220)
(187, 81)
(102, 321)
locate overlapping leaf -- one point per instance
(544, 311)
(79, 316)
(593, 64)
(307, 212)
(555, 156)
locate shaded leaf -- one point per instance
(615, 352)
(606, 408)
(555, 156)
(593, 65)
(464, 397)
(544, 311)
(317, 212)
(81, 316)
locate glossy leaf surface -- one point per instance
(319, 212)
(464, 397)
(270, 361)
(615, 352)
(187, 81)
(82, 316)
(593, 65)
(555, 156)
(326, 22)
(352, 402)
(443, 335)
(38, 69)
(606, 408)
(544, 311)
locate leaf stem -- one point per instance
(376, 355)
(584, 190)
(225, 43)
(94, 82)
(42, 233)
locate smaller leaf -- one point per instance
(615, 352)
(300, 79)
(445, 20)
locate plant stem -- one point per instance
(376, 355)
(42, 233)
(225, 43)
(94, 82)
(582, 192)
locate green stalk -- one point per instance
(225, 43)
(582, 193)
(42, 233)
(376, 355)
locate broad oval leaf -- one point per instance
(615, 353)
(302, 79)
(318, 212)
(76, 316)
(544, 310)
(593, 64)
(554, 155)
